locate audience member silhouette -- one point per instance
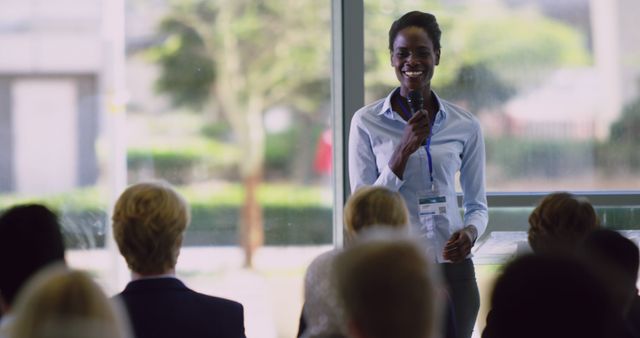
(388, 288)
(541, 295)
(30, 239)
(560, 222)
(149, 222)
(369, 206)
(63, 303)
(615, 259)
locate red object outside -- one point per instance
(322, 163)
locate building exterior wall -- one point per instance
(50, 70)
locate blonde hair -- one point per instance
(560, 222)
(374, 205)
(149, 220)
(388, 286)
(63, 303)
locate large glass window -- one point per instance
(556, 88)
(229, 101)
(554, 84)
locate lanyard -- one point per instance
(427, 146)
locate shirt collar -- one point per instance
(388, 112)
(135, 276)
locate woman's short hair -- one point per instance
(149, 220)
(426, 21)
(59, 302)
(374, 205)
(560, 222)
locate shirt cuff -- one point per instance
(471, 232)
(478, 222)
(389, 180)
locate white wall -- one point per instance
(45, 135)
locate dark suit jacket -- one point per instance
(166, 308)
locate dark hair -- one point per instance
(560, 222)
(30, 239)
(548, 296)
(614, 249)
(422, 20)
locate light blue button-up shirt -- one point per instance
(457, 145)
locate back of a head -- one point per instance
(149, 220)
(30, 239)
(374, 206)
(387, 289)
(614, 248)
(62, 303)
(615, 260)
(548, 296)
(560, 222)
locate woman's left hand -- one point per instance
(458, 247)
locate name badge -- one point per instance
(428, 208)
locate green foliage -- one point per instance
(81, 199)
(519, 158)
(282, 225)
(479, 87)
(81, 212)
(226, 194)
(263, 54)
(627, 129)
(279, 149)
(292, 214)
(522, 53)
(516, 48)
(516, 219)
(213, 225)
(215, 130)
(269, 195)
(620, 155)
(618, 158)
(277, 48)
(180, 163)
(188, 70)
(201, 158)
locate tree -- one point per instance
(477, 54)
(238, 58)
(620, 155)
(478, 87)
(627, 128)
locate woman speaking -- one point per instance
(415, 142)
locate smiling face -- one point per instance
(414, 59)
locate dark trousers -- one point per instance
(460, 279)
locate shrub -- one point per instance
(293, 215)
(181, 163)
(518, 158)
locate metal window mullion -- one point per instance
(347, 94)
(528, 199)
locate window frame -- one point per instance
(347, 96)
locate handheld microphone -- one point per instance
(415, 101)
